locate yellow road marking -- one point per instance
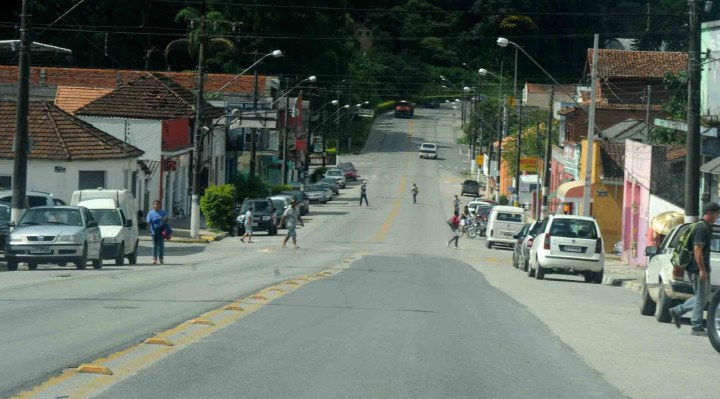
(92, 369)
(159, 341)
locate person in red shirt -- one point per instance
(454, 223)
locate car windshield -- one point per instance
(334, 172)
(279, 204)
(573, 228)
(347, 167)
(43, 216)
(107, 217)
(259, 206)
(4, 212)
(328, 180)
(509, 217)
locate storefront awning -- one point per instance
(571, 191)
(712, 167)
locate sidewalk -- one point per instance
(619, 274)
(181, 232)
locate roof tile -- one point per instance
(612, 155)
(71, 98)
(637, 64)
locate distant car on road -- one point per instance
(35, 198)
(338, 175)
(434, 104)
(318, 193)
(525, 243)
(4, 225)
(349, 170)
(302, 199)
(280, 203)
(470, 187)
(503, 223)
(333, 184)
(404, 109)
(428, 150)
(264, 218)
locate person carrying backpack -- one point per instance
(698, 269)
(454, 223)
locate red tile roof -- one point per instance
(57, 135)
(545, 88)
(112, 78)
(70, 98)
(675, 152)
(637, 64)
(150, 96)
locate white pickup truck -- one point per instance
(428, 150)
(664, 285)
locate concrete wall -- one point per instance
(142, 133)
(42, 175)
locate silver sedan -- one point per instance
(57, 234)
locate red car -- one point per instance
(349, 171)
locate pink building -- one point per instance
(636, 201)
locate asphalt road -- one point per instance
(399, 315)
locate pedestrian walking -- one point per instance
(363, 193)
(291, 217)
(156, 219)
(415, 190)
(248, 222)
(454, 223)
(456, 204)
(699, 272)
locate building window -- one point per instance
(359, 33)
(5, 182)
(91, 179)
(367, 33)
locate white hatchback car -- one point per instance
(567, 244)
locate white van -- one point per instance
(504, 222)
(114, 210)
(428, 150)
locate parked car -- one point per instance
(470, 187)
(119, 233)
(333, 184)
(35, 198)
(617, 248)
(328, 186)
(504, 222)
(568, 244)
(665, 285)
(4, 225)
(349, 171)
(433, 104)
(713, 320)
(519, 237)
(280, 203)
(302, 199)
(55, 234)
(523, 250)
(476, 205)
(338, 175)
(264, 218)
(318, 193)
(428, 150)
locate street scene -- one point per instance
(231, 219)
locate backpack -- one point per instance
(682, 253)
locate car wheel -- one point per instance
(488, 245)
(514, 260)
(32, 265)
(713, 321)
(598, 277)
(81, 262)
(97, 263)
(12, 265)
(62, 264)
(662, 308)
(530, 271)
(647, 305)
(120, 260)
(132, 258)
(272, 231)
(539, 272)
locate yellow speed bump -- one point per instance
(302, 278)
(91, 369)
(202, 321)
(234, 307)
(276, 289)
(259, 297)
(291, 283)
(159, 341)
(325, 274)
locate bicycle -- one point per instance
(178, 212)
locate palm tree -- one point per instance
(191, 43)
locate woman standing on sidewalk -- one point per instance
(156, 223)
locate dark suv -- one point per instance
(470, 187)
(264, 218)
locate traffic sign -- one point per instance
(479, 159)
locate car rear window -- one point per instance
(509, 217)
(259, 206)
(573, 228)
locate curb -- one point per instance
(204, 239)
(630, 284)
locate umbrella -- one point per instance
(664, 222)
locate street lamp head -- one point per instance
(457, 100)
(466, 89)
(312, 78)
(482, 71)
(502, 42)
(277, 53)
(334, 102)
(367, 102)
(346, 106)
(442, 77)
(358, 105)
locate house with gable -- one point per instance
(156, 114)
(66, 153)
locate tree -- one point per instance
(675, 108)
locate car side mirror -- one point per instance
(516, 236)
(92, 223)
(11, 224)
(651, 251)
(129, 223)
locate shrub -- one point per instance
(218, 206)
(249, 187)
(278, 189)
(503, 200)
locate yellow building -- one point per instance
(608, 175)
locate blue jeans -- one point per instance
(697, 302)
(158, 246)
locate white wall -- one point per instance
(659, 205)
(144, 134)
(43, 177)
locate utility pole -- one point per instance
(518, 155)
(503, 134)
(19, 181)
(308, 142)
(194, 204)
(692, 161)
(591, 132)
(647, 113)
(253, 140)
(548, 150)
(286, 131)
(538, 199)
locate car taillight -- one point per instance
(529, 242)
(598, 246)
(678, 273)
(546, 245)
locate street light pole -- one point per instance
(194, 204)
(692, 160)
(19, 181)
(548, 149)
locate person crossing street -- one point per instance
(291, 217)
(363, 193)
(415, 190)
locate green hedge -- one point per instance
(218, 206)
